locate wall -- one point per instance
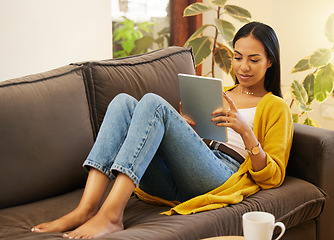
(38, 35)
(300, 29)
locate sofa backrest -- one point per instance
(154, 72)
(45, 134)
(49, 121)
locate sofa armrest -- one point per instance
(312, 159)
(312, 155)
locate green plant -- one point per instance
(318, 84)
(130, 38)
(204, 45)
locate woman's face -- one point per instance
(250, 62)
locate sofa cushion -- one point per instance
(46, 133)
(154, 72)
(295, 202)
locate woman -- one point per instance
(148, 144)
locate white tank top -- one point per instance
(235, 141)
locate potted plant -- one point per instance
(204, 45)
(318, 84)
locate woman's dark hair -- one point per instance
(267, 36)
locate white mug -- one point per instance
(260, 226)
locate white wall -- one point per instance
(38, 35)
(300, 29)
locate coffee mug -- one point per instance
(260, 226)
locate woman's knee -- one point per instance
(152, 98)
(123, 99)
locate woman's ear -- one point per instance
(269, 64)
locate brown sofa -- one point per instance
(48, 124)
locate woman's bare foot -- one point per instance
(101, 224)
(70, 221)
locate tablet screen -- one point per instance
(200, 96)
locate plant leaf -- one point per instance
(302, 65)
(242, 20)
(223, 58)
(196, 34)
(142, 45)
(308, 84)
(219, 3)
(299, 94)
(320, 57)
(128, 42)
(308, 121)
(305, 108)
(225, 28)
(323, 82)
(146, 26)
(329, 28)
(195, 9)
(237, 12)
(120, 53)
(295, 118)
(230, 43)
(160, 41)
(202, 48)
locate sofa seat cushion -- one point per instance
(46, 134)
(295, 202)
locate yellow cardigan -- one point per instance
(274, 130)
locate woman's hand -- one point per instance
(230, 117)
(233, 119)
(186, 118)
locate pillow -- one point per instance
(153, 72)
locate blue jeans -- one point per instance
(153, 145)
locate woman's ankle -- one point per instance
(114, 216)
(87, 211)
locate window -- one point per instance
(139, 10)
(139, 26)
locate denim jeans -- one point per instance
(153, 145)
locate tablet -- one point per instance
(200, 96)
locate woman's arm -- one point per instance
(232, 118)
(273, 127)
